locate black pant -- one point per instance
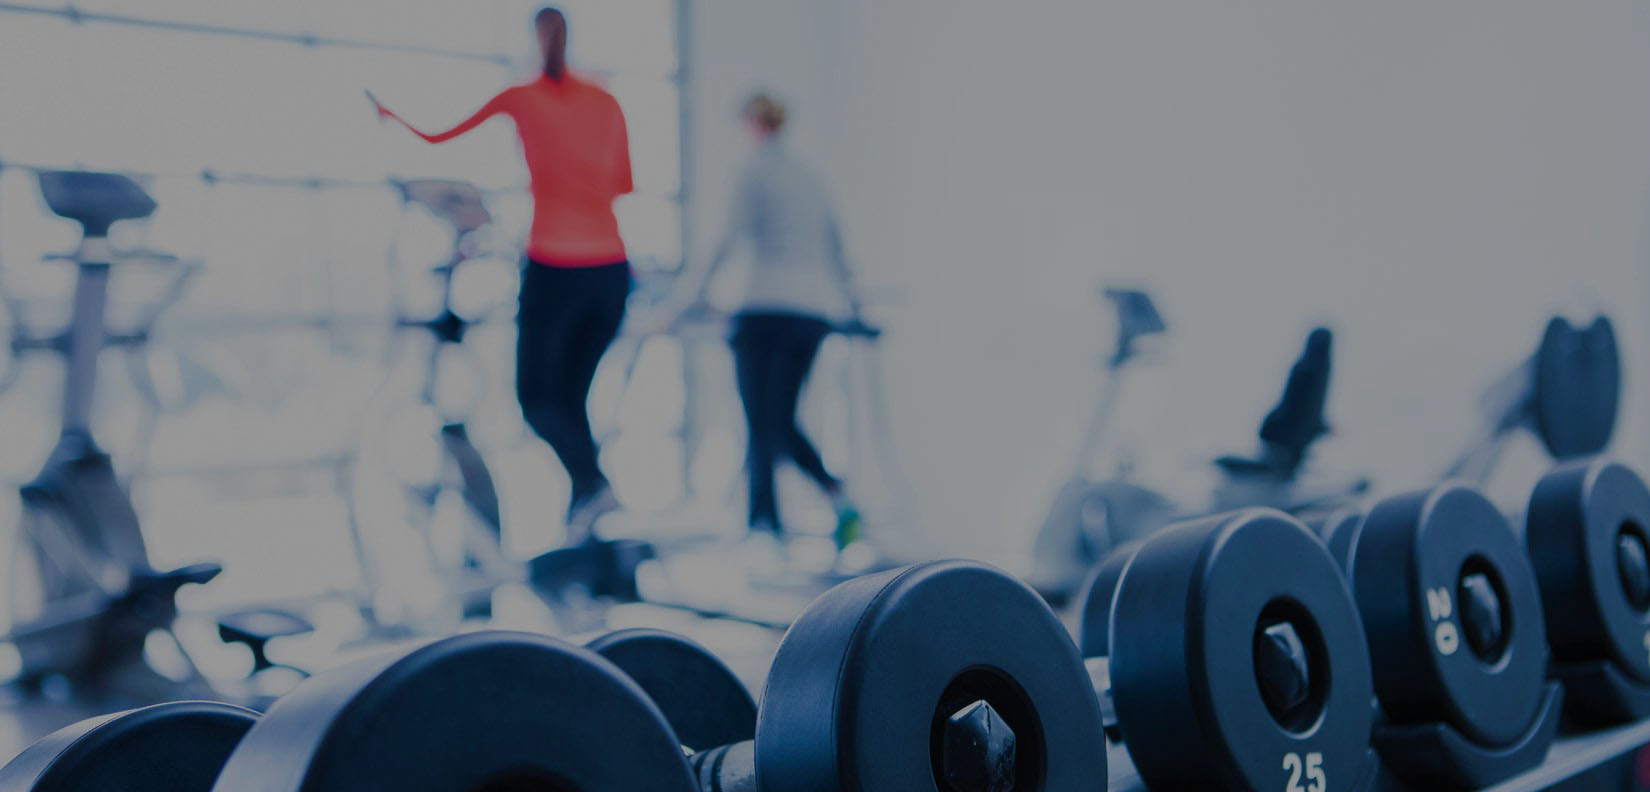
(772, 354)
(568, 317)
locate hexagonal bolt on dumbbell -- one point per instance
(1281, 669)
(1481, 615)
(978, 750)
(1633, 565)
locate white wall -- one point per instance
(1430, 179)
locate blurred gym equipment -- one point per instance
(1090, 514)
(1566, 394)
(99, 597)
(479, 565)
(1274, 477)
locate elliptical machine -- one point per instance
(462, 470)
(100, 598)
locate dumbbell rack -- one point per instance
(1568, 758)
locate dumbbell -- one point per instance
(1454, 622)
(183, 746)
(176, 747)
(947, 675)
(702, 699)
(1587, 530)
(1233, 658)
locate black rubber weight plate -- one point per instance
(1578, 515)
(1577, 387)
(177, 747)
(1339, 532)
(1182, 664)
(853, 694)
(1096, 598)
(483, 711)
(1408, 566)
(706, 704)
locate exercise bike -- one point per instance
(100, 599)
(1090, 516)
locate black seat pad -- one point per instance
(95, 200)
(1298, 419)
(1577, 387)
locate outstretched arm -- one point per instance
(492, 108)
(740, 212)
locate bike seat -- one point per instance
(95, 200)
(1137, 317)
(458, 202)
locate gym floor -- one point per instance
(1102, 266)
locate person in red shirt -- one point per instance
(576, 277)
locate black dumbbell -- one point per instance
(176, 747)
(1234, 656)
(482, 711)
(1587, 529)
(704, 701)
(946, 675)
(1339, 532)
(1455, 627)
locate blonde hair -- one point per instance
(766, 110)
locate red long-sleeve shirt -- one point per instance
(578, 160)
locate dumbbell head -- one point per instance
(481, 711)
(1234, 646)
(1095, 599)
(705, 703)
(949, 675)
(177, 747)
(1588, 533)
(1339, 532)
(1453, 616)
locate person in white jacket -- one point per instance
(799, 284)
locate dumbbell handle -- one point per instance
(727, 768)
(1099, 669)
(975, 755)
